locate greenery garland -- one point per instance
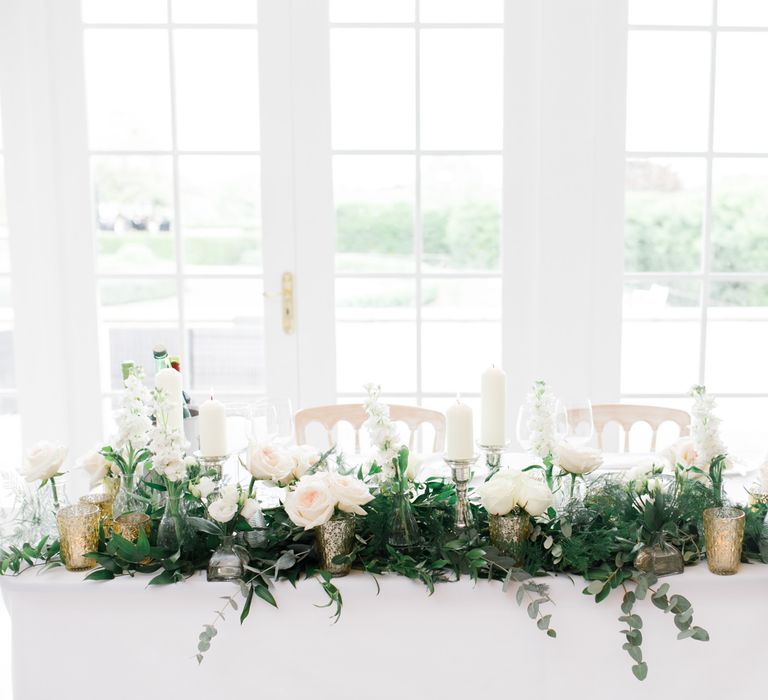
(597, 538)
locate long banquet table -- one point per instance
(121, 640)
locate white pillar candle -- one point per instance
(460, 443)
(493, 407)
(213, 428)
(169, 380)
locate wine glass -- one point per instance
(262, 421)
(523, 427)
(283, 418)
(576, 419)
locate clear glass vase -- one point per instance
(228, 562)
(659, 558)
(174, 532)
(128, 499)
(257, 537)
(764, 540)
(402, 528)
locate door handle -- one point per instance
(286, 296)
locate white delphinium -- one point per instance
(167, 444)
(705, 428)
(134, 421)
(383, 432)
(542, 431)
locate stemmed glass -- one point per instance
(575, 422)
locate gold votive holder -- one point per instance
(104, 502)
(508, 533)
(128, 526)
(723, 536)
(335, 538)
(78, 535)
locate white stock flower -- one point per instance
(705, 428)
(43, 460)
(577, 460)
(383, 433)
(266, 461)
(96, 466)
(304, 458)
(311, 503)
(542, 432)
(222, 510)
(167, 446)
(349, 492)
(133, 419)
(499, 494)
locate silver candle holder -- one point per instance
(212, 465)
(461, 472)
(493, 456)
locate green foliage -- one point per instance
(14, 560)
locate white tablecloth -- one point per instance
(122, 640)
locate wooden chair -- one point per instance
(626, 415)
(354, 414)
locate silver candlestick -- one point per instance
(461, 471)
(493, 455)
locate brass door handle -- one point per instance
(286, 294)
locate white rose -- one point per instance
(349, 492)
(95, 466)
(230, 494)
(499, 494)
(222, 510)
(578, 460)
(250, 508)
(43, 460)
(204, 488)
(533, 495)
(270, 462)
(682, 451)
(304, 458)
(311, 503)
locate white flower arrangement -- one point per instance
(542, 405)
(316, 497)
(382, 431)
(577, 460)
(705, 429)
(282, 464)
(509, 490)
(167, 445)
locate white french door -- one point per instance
(168, 161)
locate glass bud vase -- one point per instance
(228, 562)
(508, 533)
(402, 528)
(335, 538)
(127, 499)
(257, 537)
(659, 558)
(174, 532)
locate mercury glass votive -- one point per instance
(103, 501)
(723, 536)
(335, 538)
(78, 535)
(508, 533)
(128, 526)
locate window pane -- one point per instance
(740, 215)
(742, 13)
(372, 11)
(228, 355)
(667, 91)
(217, 93)
(225, 11)
(660, 338)
(374, 213)
(375, 300)
(449, 362)
(138, 299)
(461, 212)
(664, 207)
(372, 88)
(673, 12)
(124, 11)
(460, 300)
(738, 324)
(743, 428)
(221, 212)
(461, 88)
(128, 88)
(376, 351)
(741, 107)
(461, 10)
(7, 359)
(3, 213)
(245, 299)
(5, 257)
(133, 210)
